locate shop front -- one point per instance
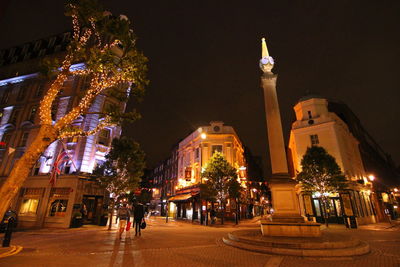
(350, 207)
(185, 204)
(39, 205)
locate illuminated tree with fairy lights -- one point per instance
(122, 170)
(220, 182)
(321, 175)
(106, 45)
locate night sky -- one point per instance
(203, 62)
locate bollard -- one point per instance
(8, 232)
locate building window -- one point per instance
(21, 93)
(30, 201)
(188, 173)
(58, 208)
(74, 139)
(29, 206)
(309, 114)
(197, 153)
(14, 117)
(6, 139)
(67, 167)
(216, 148)
(54, 109)
(104, 137)
(58, 202)
(32, 113)
(85, 83)
(6, 95)
(40, 89)
(314, 139)
(24, 139)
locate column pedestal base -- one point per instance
(304, 229)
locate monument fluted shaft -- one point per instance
(274, 125)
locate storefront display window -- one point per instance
(58, 202)
(30, 200)
(29, 206)
(58, 208)
(317, 207)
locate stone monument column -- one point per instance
(284, 199)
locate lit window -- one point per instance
(29, 206)
(216, 148)
(188, 173)
(314, 139)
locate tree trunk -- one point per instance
(326, 215)
(237, 212)
(22, 168)
(111, 213)
(223, 212)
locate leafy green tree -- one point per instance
(106, 44)
(321, 175)
(122, 170)
(219, 176)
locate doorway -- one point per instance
(334, 211)
(94, 205)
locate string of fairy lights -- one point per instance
(101, 78)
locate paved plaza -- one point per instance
(180, 244)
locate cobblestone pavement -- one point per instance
(178, 244)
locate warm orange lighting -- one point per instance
(371, 177)
(396, 190)
(203, 136)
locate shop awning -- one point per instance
(182, 197)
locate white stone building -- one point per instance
(39, 204)
(315, 125)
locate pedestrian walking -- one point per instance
(138, 215)
(124, 216)
(213, 215)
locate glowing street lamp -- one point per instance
(371, 177)
(203, 136)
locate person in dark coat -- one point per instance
(138, 215)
